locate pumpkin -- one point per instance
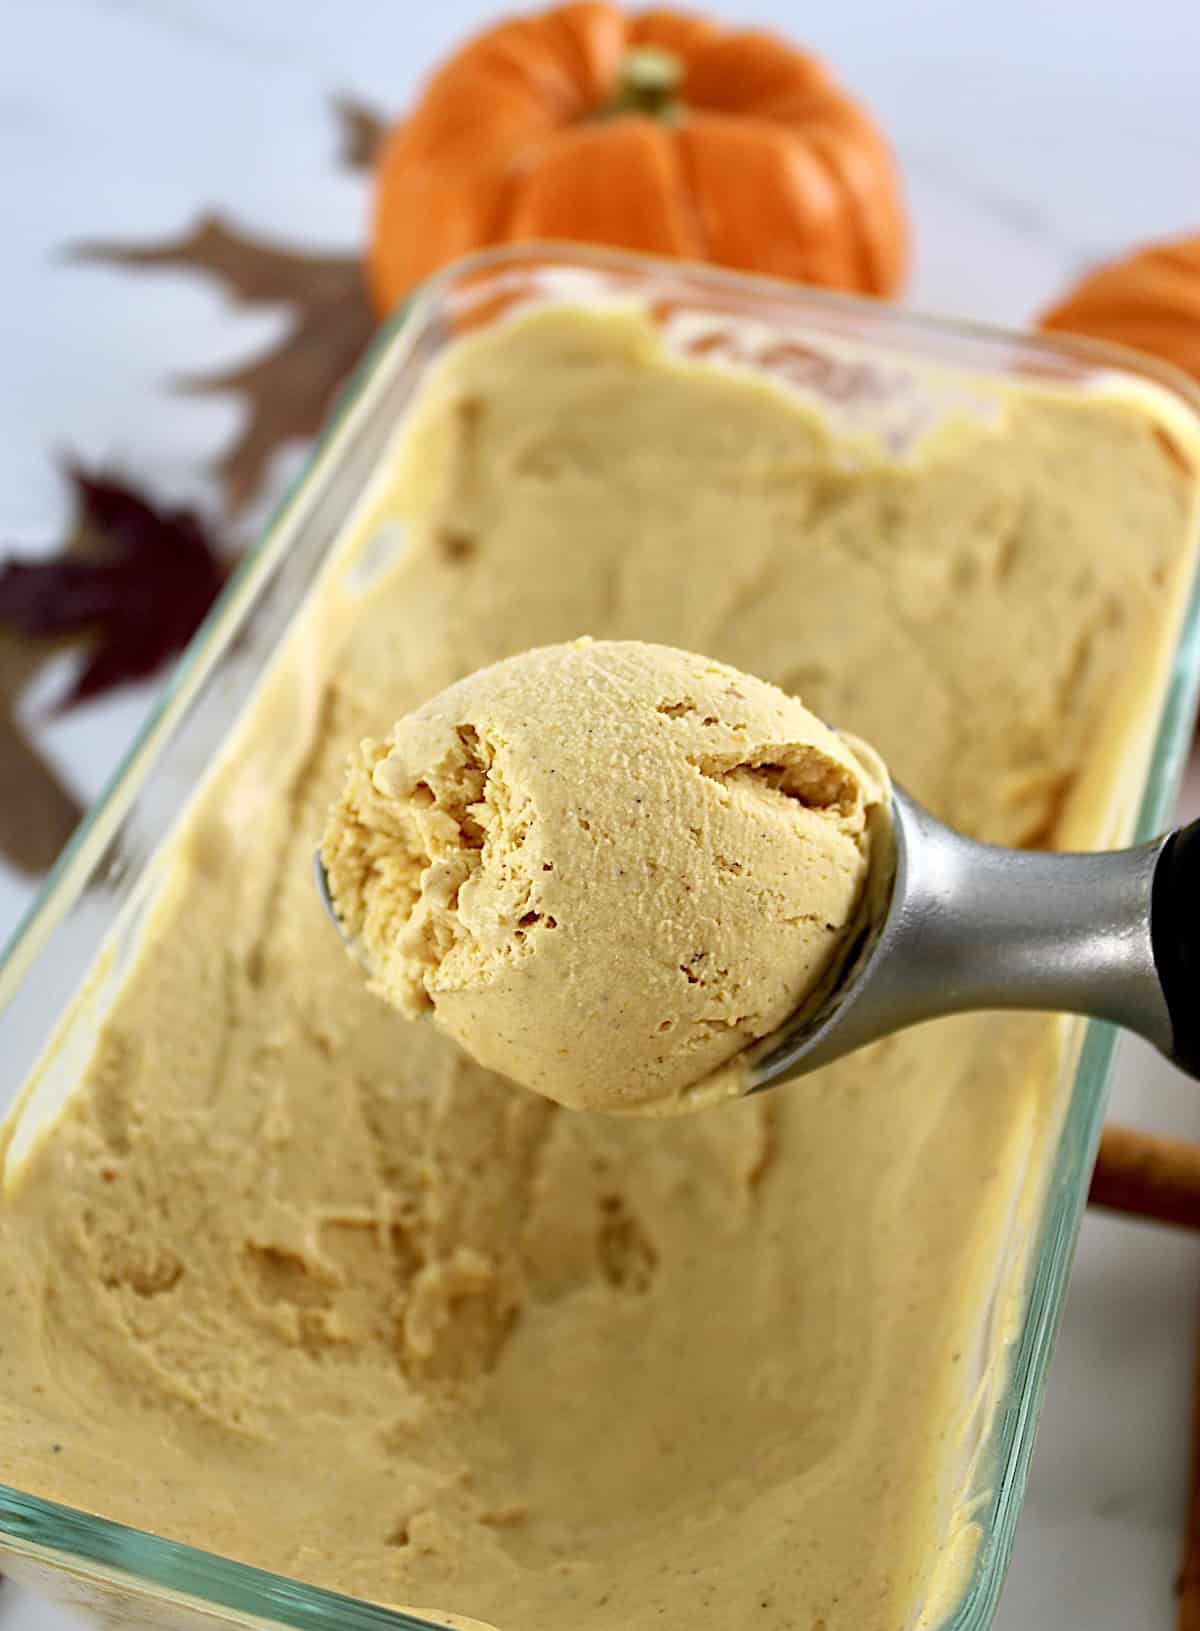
(658, 131)
(1149, 299)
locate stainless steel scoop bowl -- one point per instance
(951, 925)
(960, 925)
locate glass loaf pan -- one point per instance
(871, 368)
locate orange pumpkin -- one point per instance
(1149, 299)
(657, 131)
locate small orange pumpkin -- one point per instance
(1149, 299)
(657, 131)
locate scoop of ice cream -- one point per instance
(606, 867)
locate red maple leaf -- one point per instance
(135, 584)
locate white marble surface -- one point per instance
(1033, 138)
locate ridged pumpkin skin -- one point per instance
(657, 131)
(1149, 299)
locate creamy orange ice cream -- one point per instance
(605, 867)
(294, 1279)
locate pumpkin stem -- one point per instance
(646, 83)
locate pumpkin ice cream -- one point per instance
(607, 868)
(292, 1279)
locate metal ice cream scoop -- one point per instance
(963, 925)
(951, 925)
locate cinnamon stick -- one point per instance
(1187, 1617)
(1146, 1175)
(1149, 1176)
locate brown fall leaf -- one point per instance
(37, 813)
(362, 131)
(287, 393)
(288, 390)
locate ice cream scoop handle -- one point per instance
(970, 926)
(1175, 935)
(980, 927)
